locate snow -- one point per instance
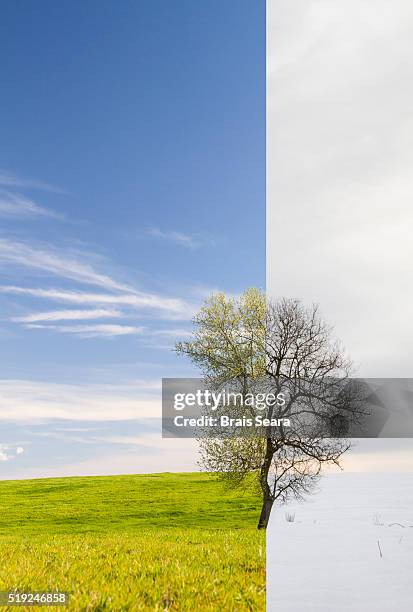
(328, 559)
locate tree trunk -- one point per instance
(265, 513)
(265, 487)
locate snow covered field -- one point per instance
(349, 547)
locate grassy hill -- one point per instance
(144, 542)
(122, 503)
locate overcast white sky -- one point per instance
(340, 170)
(340, 179)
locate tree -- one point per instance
(283, 347)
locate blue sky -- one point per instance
(132, 184)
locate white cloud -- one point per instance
(98, 330)
(91, 331)
(169, 455)
(76, 266)
(174, 332)
(55, 261)
(17, 205)
(173, 307)
(3, 455)
(28, 401)
(8, 452)
(67, 315)
(7, 179)
(179, 238)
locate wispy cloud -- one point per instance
(57, 262)
(174, 307)
(175, 332)
(8, 179)
(17, 205)
(68, 315)
(179, 238)
(119, 300)
(26, 400)
(46, 320)
(91, 331)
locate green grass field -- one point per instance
(146, 542)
